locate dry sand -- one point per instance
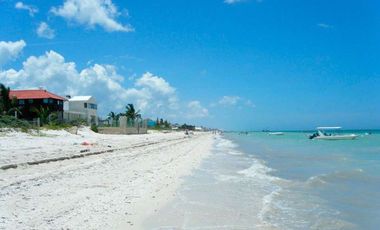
(112, 190)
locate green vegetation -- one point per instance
(112, 116)
(55, 124)
(94, 128)
(161, 124)
(7, 106)
(43, 114)
(77, 122)
(131, 113)
(12, 122)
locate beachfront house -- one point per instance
(81, 107)
(30, 101)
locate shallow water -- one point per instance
(257, 181)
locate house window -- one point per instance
(93, 106)
(85, 105)
(51, 101)
(30, 101)
(45, 101)
(21, 102)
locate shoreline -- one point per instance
(217, 195)
(115, 190)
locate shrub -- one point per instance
(94, 128)
(12, 122)
(57, 125)
(78, 122)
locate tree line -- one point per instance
(160, 123)
(130, 113)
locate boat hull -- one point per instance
(337, 137)
(276, 133)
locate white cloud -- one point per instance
(325, 26)
(92, 13)
(155, 94)
(196, 110)
(229, 100)
(155, 83)
(152, 94)
(10, 50)
(31, 9)
(45, 31)
(48, 70)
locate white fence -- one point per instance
(73, 116)
(125, 126)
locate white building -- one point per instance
(81, 107)
(198, 128)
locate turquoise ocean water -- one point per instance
(258, 181)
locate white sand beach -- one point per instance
(126, 180)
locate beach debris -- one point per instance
(10, 166)
(84, 150)
(87, 143)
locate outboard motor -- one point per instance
(313, 136)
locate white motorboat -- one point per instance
(323, 135)
(276, 133)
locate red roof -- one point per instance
(34, 94)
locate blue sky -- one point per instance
(231, 64)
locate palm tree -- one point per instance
(112, 115)
(157, 123)
(14, 110)
(131, 113)
(42, 113)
